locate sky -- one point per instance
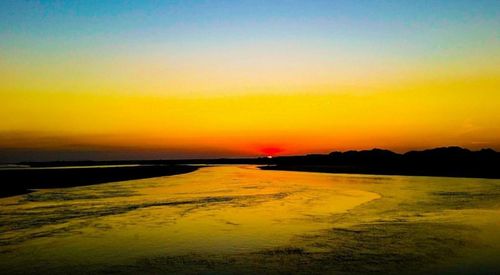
(186, 79)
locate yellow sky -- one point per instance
(220, 81)
(401, 116)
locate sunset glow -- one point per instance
(219, 79)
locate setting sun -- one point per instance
(249, 137)
(323, 78)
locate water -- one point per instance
(239, 219)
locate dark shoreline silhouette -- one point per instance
(444, 162)
(20, 181)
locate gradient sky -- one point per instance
(179, 79)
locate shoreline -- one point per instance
(333, 169)
(21, 181)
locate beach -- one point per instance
(240, 219)
(16, 181)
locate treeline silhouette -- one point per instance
(446, 161)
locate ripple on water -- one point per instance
(226, 219)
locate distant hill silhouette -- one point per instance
(445, 161)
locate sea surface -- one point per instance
(240, 219)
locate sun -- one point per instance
(271, 151)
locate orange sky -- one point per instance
(239, 87)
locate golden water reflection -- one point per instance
(281, 221)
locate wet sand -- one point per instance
(240, 219)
